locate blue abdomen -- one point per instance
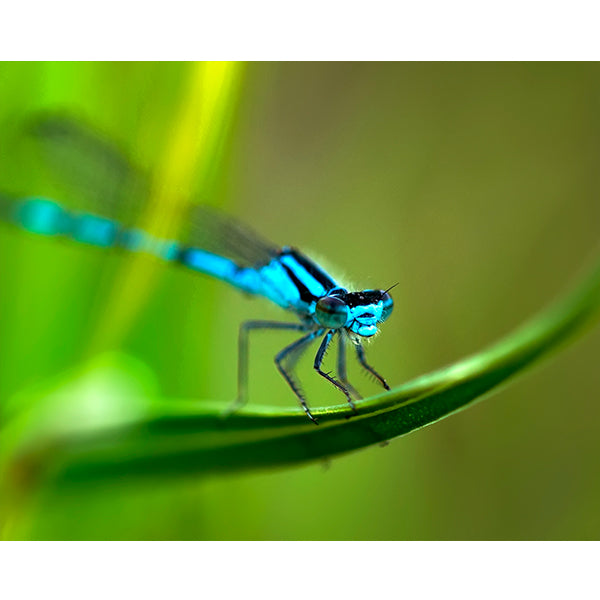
(46, 217)
(289, 279)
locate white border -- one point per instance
(411, 570)
(309, 30)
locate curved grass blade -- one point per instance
(177, 438)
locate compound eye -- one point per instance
(331, 312)
(388, 306)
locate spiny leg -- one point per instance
(319, 359)
(360, 353)
(341, 367)
(243, 355)
(293, 352)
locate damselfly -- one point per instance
(222, 247)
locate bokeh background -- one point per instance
(474, 186)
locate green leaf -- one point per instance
(184, 437)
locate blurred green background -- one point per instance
(474, 186)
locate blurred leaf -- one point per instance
(177, 438)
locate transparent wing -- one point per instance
(103, 180)
(213, 230)
(94, 173)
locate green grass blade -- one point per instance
(176, 438)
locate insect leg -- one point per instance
(319, 359)
(360, 353)
(244, 332)
(292, 352)
(341, 367)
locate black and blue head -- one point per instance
(358, 312)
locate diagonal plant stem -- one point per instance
(179, 438)
(187, 167)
